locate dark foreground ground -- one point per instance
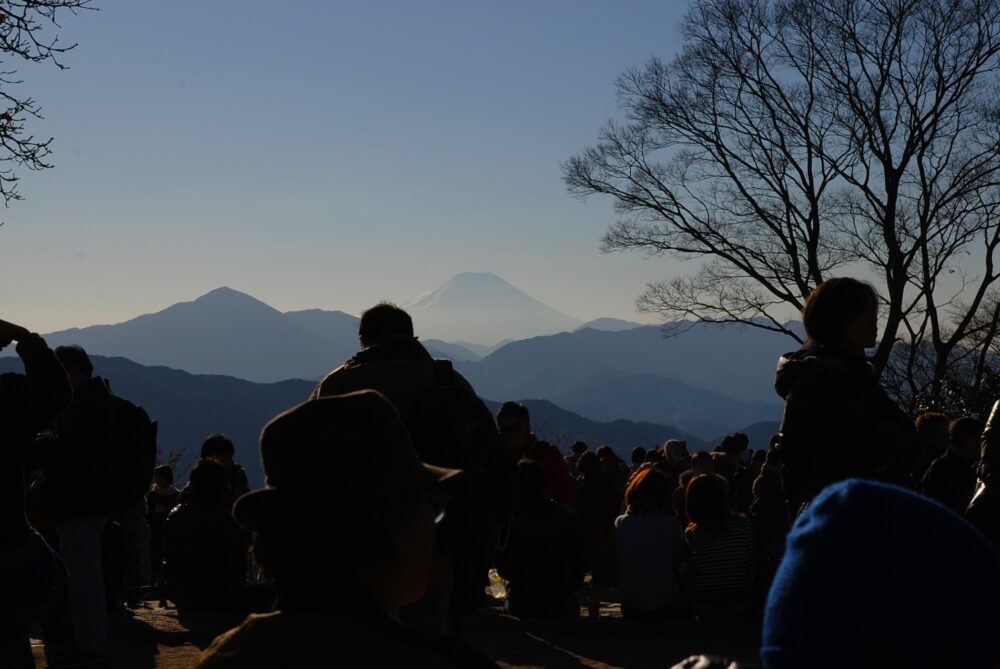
(154, 637)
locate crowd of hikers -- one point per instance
(395, 502)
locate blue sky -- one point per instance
(323, 154)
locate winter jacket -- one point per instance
(838, 423)
(204, 555)
(28, 402)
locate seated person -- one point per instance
(542, 552)
(650, 548)
(204, 552)
(341, 472)
(720, 553)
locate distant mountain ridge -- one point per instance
(226, 332)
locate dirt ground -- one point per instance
(152, 637)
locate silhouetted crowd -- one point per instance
(396, 504)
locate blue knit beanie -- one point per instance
(878, 576)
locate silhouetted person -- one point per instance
(616, 470)
(677, 459)
(984, 510)
(32, 574)
(541, 552)
(932, 433)
(720, 555)
(160, 501)
(203, 548)
(768, 512)
(384, 534)
(514, 425)
(770, 520)
(598, 508)
(75, 501)
(877, 576)
(951, 478)
(638, 458)
(730, 467)
(650, 546)
(576, 450)
(838, 421)
(450, 427)
(221, 448)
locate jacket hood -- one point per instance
(812, 358)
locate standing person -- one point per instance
(838, 421)
(650, 546)
(160, 501)
(541, 552)
(322, 451)
(32, 573)
(98, 466)
(598, 508)
(514, 426)
(951, 478)
(770, 521)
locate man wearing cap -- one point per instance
(340, 607)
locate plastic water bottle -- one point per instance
(498, 587)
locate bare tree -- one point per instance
(27, 30)
(794, 140)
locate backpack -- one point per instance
(129, 457)
(448, 427)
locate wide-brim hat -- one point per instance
(345, 449)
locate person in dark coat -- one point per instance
(160, 501)
(221, 448)
(32, 573)
(341, 607)
(598, 507)
(203, 548)
(541, 552)
(450, 427)
(951, 479)
(838, 421)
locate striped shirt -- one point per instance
(721, 558)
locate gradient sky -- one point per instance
(323, 154)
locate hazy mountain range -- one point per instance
(707, 380)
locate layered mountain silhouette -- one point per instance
(188, 407)
(609, 395)
(483, 308)
(711, 377)
(706, 379)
